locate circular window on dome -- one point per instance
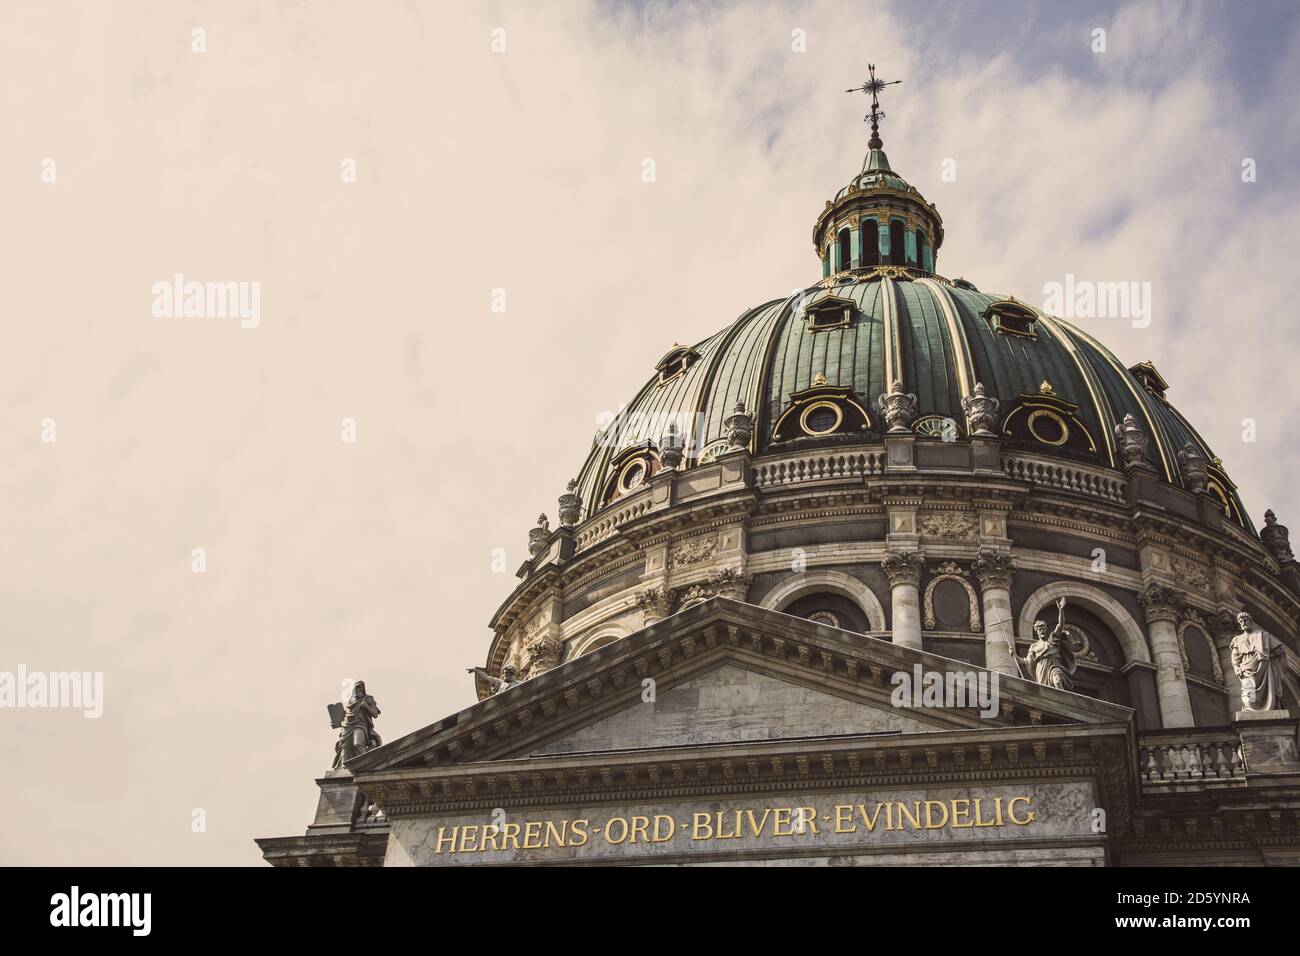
(632, 477)
(1048, 427)
(821, 418)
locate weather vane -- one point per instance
(874, 85)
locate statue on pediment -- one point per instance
(509, 678)
(355, 721)
(1258, 660)
(1052, 657)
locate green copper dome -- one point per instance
(810, 369)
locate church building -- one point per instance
(892, 570)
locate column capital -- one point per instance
(654, 602)
(994, 569)
(903, 567)
(1162, 603)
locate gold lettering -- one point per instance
(640, 825)
(450, 840)
(979, 817)
(957, 814)
(659, 835)
(929, 814)
(468, 833)
(843, 810)
(870, 822)
(622, 833)
(915, 819)
(578, 828)
(490, 833)
(782, 827)
(1011, 811)
(702, 826)
(720, 833)
(557, 832)
(533, 835)
(756, 827)
(808, 819)
(997, 807)
(510, 834)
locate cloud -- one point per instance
(520, 171)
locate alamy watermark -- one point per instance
(61, 690)
(178, 298)
(1084, 299)
(946, 689)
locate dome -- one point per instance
(907, 457)
(846, 341)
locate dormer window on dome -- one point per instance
(1151, 380)
(677, 361)
(1046, 420)
(832, 312)
(821, 412)
(1011, 317)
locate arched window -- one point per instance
(1204, 676)
(870, 243)
(833, 609)
(897, 252)
(845, 246)
(920, 244)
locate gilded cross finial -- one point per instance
(874, 86)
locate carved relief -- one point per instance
(953, 525)
(1190, 573)
(694, 551)
(727, 583)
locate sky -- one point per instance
(388, 176)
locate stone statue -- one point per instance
(1193, 466)
(355, 718)
(670, 447)
(509, 678)
(538, 536)
(1051, 657)
(1276, 537)
(1258, 660)
(1132, 442)
(981, 411)
(739, 427)
(570, 505)
(898, 408)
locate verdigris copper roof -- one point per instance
(924, 331)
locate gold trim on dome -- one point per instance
(1051, 415)
(803, 418)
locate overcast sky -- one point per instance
(519, 170)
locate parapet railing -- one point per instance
(1094, 482)
(818, 466)
(1175, 760)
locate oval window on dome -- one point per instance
(1048, 427)
(821, 418)
(632, 477)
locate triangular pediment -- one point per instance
(717, 669)
(734, 702)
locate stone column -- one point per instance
(904, 571)
(994, 571)
(1162, 605)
